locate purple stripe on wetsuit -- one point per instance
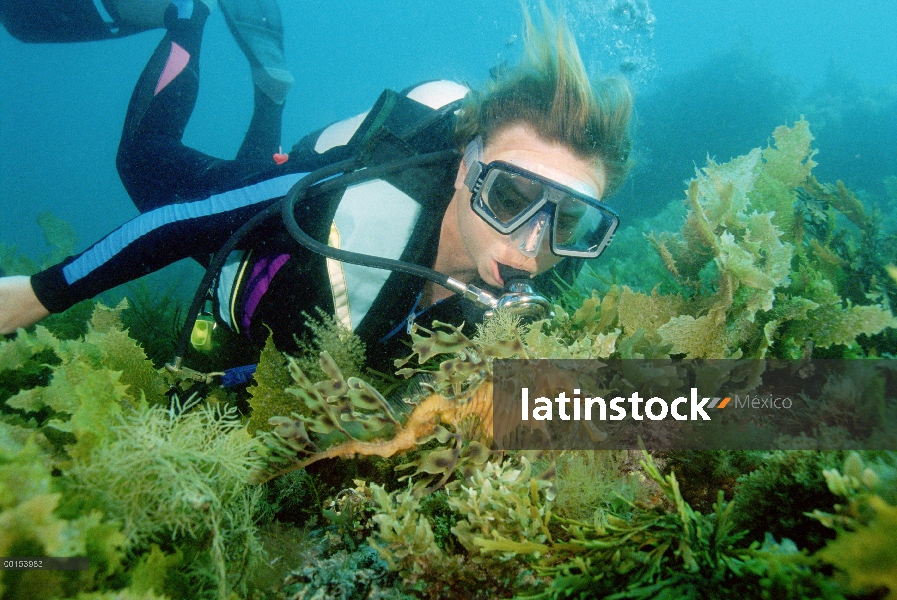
(259, 281)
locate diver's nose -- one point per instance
(529, 237)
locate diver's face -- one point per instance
(485, 247)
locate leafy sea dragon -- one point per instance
(458, 412)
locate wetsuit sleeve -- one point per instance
(154, 240)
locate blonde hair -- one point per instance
(550, 92)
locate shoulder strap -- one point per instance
(398, 126)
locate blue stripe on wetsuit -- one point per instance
(106, 249)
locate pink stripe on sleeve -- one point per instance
(177, 60)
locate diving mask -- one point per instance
(529, 205)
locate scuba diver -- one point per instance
(478, 187)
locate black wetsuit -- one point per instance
(192, 203)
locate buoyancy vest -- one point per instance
(272, 282)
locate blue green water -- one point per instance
(712, 77)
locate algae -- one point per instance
(192, 470)
(768, 263)
(457, 415)
(61, 241)
(865, 549)
(113, 469)
(267, 394)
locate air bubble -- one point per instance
(615, 35)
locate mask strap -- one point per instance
(474, 151)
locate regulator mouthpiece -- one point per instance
(521, 300)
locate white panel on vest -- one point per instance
(373, 218)
(437, 94)
(339, 133)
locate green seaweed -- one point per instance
(87, 381)
(267, 394)
(180, 476)
(61, 241)
(505, 526)
(329, 336)
(678, 553)
(865, 549)
(768, 263)
(591, 485)
(31, 524)
(155, 319)
(92, 463)
(777, 496)
(502, 498)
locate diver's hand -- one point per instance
(19, 306)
